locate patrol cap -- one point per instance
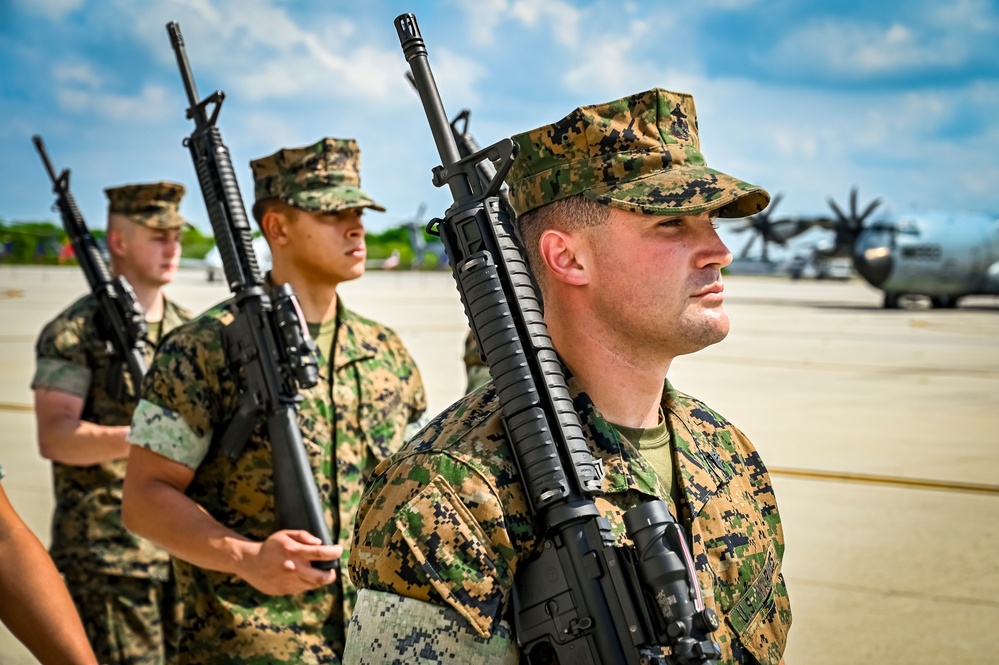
(322, 177)
(640, 153)
(153, 204)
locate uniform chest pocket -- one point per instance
(762, 615)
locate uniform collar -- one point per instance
(354, 338)
(625, 469)
(173, 316)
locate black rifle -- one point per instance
(121, 323)
(268, 338)
(582, 599)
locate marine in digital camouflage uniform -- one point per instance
(364, 406)
(118, 581)
(445, 525)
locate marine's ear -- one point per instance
(274, 225)
(566, 256)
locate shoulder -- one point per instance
(207, 326)
(698, 412)
(72, 326)
(373, 336)
(469, 429)
(182, 313)
(197, 341)
(723, 437)
(465, 445)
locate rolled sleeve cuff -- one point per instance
(166, 433)
(387, 628)
(62, 375)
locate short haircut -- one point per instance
(573, 213)
(261, 206)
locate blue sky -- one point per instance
(804, 97)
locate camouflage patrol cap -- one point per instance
(640, 153)
(323, 177)
(153, 205)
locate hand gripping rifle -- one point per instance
(121, 322)
(582, 599)
(268, 338)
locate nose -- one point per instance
(872, 257)
(715, 252)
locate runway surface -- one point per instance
(881, 430)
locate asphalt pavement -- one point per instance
(881, 430)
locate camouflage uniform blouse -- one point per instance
(87, 533)
(190, 394)
(446, 522)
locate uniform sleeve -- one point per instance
(386, 628)
(62, 362)
(433, 529)
(183, 396)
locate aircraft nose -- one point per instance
(873, 260)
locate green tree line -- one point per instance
(46, 243)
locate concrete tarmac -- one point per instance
(880, 429)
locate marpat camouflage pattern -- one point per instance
(323, 177)
(87, 532)
(153, 205)
(640, 153)
(446, 522)
(119, 582)
(190, 394)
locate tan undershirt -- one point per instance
(153, 331)
(323, 334)
(653, 444)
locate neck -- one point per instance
(318, 300)
(625, 384)
(150, 296)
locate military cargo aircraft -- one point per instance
(943, 255)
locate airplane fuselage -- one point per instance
(942, 255)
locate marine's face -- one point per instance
(658, 280)
(329, 246)
(153, 255)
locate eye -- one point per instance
(715, 225)
(671, 223)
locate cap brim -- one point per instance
(334, 199)
(684, 190)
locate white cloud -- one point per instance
(149, 104)
(561, 18)
(853, 49)
(81, 90)
(483, 18)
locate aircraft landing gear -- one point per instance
(890, 301)
(943, 302)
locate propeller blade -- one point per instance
(774, 202)
(870, 208)
(749, 245)
(840, 217)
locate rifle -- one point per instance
(582, 599)
(268, 338)
(121, 323)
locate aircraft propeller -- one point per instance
(847, 227)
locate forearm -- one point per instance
(80, 443)
(34, 603)
(161, 513)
